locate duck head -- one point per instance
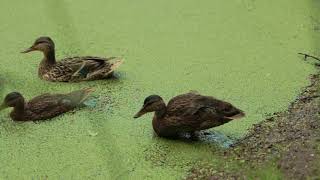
(153, 103)
(12, 100)
(43, 44)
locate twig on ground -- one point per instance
(307, 55)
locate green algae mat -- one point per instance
(242, 51)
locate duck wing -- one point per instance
(194, 111)
(50, 105)
(81, 68)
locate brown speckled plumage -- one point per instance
(188, 113)
(72, 69)
(45, 106)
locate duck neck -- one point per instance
(161, 111)
(49, 57)
(18, 110)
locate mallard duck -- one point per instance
(43, 107)
(72, 69)
(188, 113)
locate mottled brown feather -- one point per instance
(193, 112)
(47, 106)
(71, 69)
(76, 69)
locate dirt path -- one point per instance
(289, 141)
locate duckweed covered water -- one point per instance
(242, 51)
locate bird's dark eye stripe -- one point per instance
(12, 98)
(148, 103)
(41, 42)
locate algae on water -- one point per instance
(244, 52)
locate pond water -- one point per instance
(242, 51)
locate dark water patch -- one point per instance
(217, 138)
(91, 102)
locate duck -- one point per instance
(71, 69)
(45, 106)
(188, 113)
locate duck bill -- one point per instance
(28, 50)
(140, 113)
(3, 106)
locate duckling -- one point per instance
(188, 113)
(45, 106)
(71, 69)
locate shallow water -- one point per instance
(242, 51)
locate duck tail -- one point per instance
(79, 96)
(115, 63)
(88, 90)
(240, 114)
(86, 93)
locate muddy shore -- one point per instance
(288, 143)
